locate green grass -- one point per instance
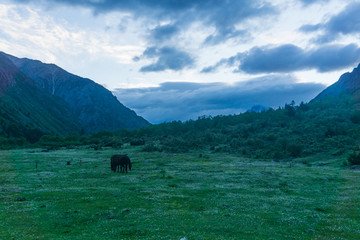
(174, 196)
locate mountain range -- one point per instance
(37, 98)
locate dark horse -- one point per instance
(121, 162)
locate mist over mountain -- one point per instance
(172, 101)
(63, 101)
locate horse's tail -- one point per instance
(129, 164)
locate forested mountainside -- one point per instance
(330, 124)
(46, 98)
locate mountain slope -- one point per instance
(94, 106)
(348, 84)
(26, 111)
(8, 73)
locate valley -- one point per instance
(241, 120)
(174, 196)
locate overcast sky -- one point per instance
(171, 59)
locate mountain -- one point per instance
(347, 85)
(27, 111)
(258, 108)
(75, 102)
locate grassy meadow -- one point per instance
(174, 196)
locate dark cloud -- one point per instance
(183, 101)
(223, 15)
(288, 58)
(333, 57)
(164, 32)
(167, 58)
(347, 22)
(285, 58)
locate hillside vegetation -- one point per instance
(330, 127)
(329, 124)
(293, 131)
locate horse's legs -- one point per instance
(126, 166)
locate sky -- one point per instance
(180, 59)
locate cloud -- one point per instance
(307, 28)
(309, 2)
(223, 16)
(229, 62)
(183, 100)
(224, 34)
(167, 58)
(347, 22)
(23, 30)
(226, 15)
(289, 58)
(164, 32)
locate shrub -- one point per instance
(355, 117)
(96, 147)
(150, 147)
(112, 142)
(295, 150)
(354, 158)
(51, 142)
(137, 142)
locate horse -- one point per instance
(120, 162)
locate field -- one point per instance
(174, 196)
